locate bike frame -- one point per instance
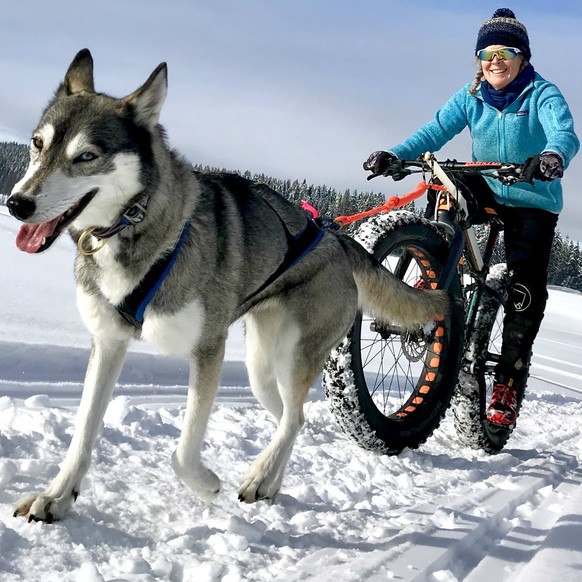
(469, 234)
(461, 239)
(451, 201)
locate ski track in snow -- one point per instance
(343, 514)
(438, 513)
(441, 513)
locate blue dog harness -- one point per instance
(133, 306)
(297, 247)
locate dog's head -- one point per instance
(88, 156)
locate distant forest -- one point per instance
(13, 163)
(565, 268)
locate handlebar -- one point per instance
(506, 172)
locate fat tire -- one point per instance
(346, 383)
(474, 388)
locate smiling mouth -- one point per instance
(36, 238)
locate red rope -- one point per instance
(390, 204)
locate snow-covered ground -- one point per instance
(440, 513)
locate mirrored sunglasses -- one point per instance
(503, 54)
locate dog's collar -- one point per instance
(133, 215)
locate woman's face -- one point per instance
(500, 73)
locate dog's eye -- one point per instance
(86, 157)
(37, 143)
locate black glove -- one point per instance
(545, 167)
(551, 166)
(379, 162)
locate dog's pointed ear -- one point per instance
(149, 98)
(79, 76)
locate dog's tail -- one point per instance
(385, 297)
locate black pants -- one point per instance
(529, 233)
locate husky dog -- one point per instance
(174, 257)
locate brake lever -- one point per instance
(396, 171)
(510, 179)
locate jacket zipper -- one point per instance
(501, 139)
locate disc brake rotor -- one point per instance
(414, 345)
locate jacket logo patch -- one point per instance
(522, 113)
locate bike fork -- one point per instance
(478, 288)
(456, 250)
(481, 277)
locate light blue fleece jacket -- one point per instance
(538, 120)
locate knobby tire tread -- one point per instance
(344, 381)
(472, 394)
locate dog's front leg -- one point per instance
(203, 384)
(102, 373)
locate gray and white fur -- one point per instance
(92, 157)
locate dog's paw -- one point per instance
(203, 482)
(45, 507)
(259, 484)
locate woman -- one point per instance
(514, 115)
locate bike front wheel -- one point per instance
(389, 388)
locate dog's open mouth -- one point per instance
(35, 238)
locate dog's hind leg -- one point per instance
(295, 375)
(203, 384)
(103, 371)
(260, 334)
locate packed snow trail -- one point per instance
(439, 513)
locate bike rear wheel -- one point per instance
(476, 380)
(389, 388)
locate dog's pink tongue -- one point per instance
(31, 236)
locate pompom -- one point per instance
(504, 13)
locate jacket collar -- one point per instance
(502, 98)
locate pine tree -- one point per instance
(13, 163)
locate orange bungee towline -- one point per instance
(390, 204)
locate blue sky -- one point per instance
(290, 88)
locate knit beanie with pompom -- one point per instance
(504, 29)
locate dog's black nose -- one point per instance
(21, 207)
